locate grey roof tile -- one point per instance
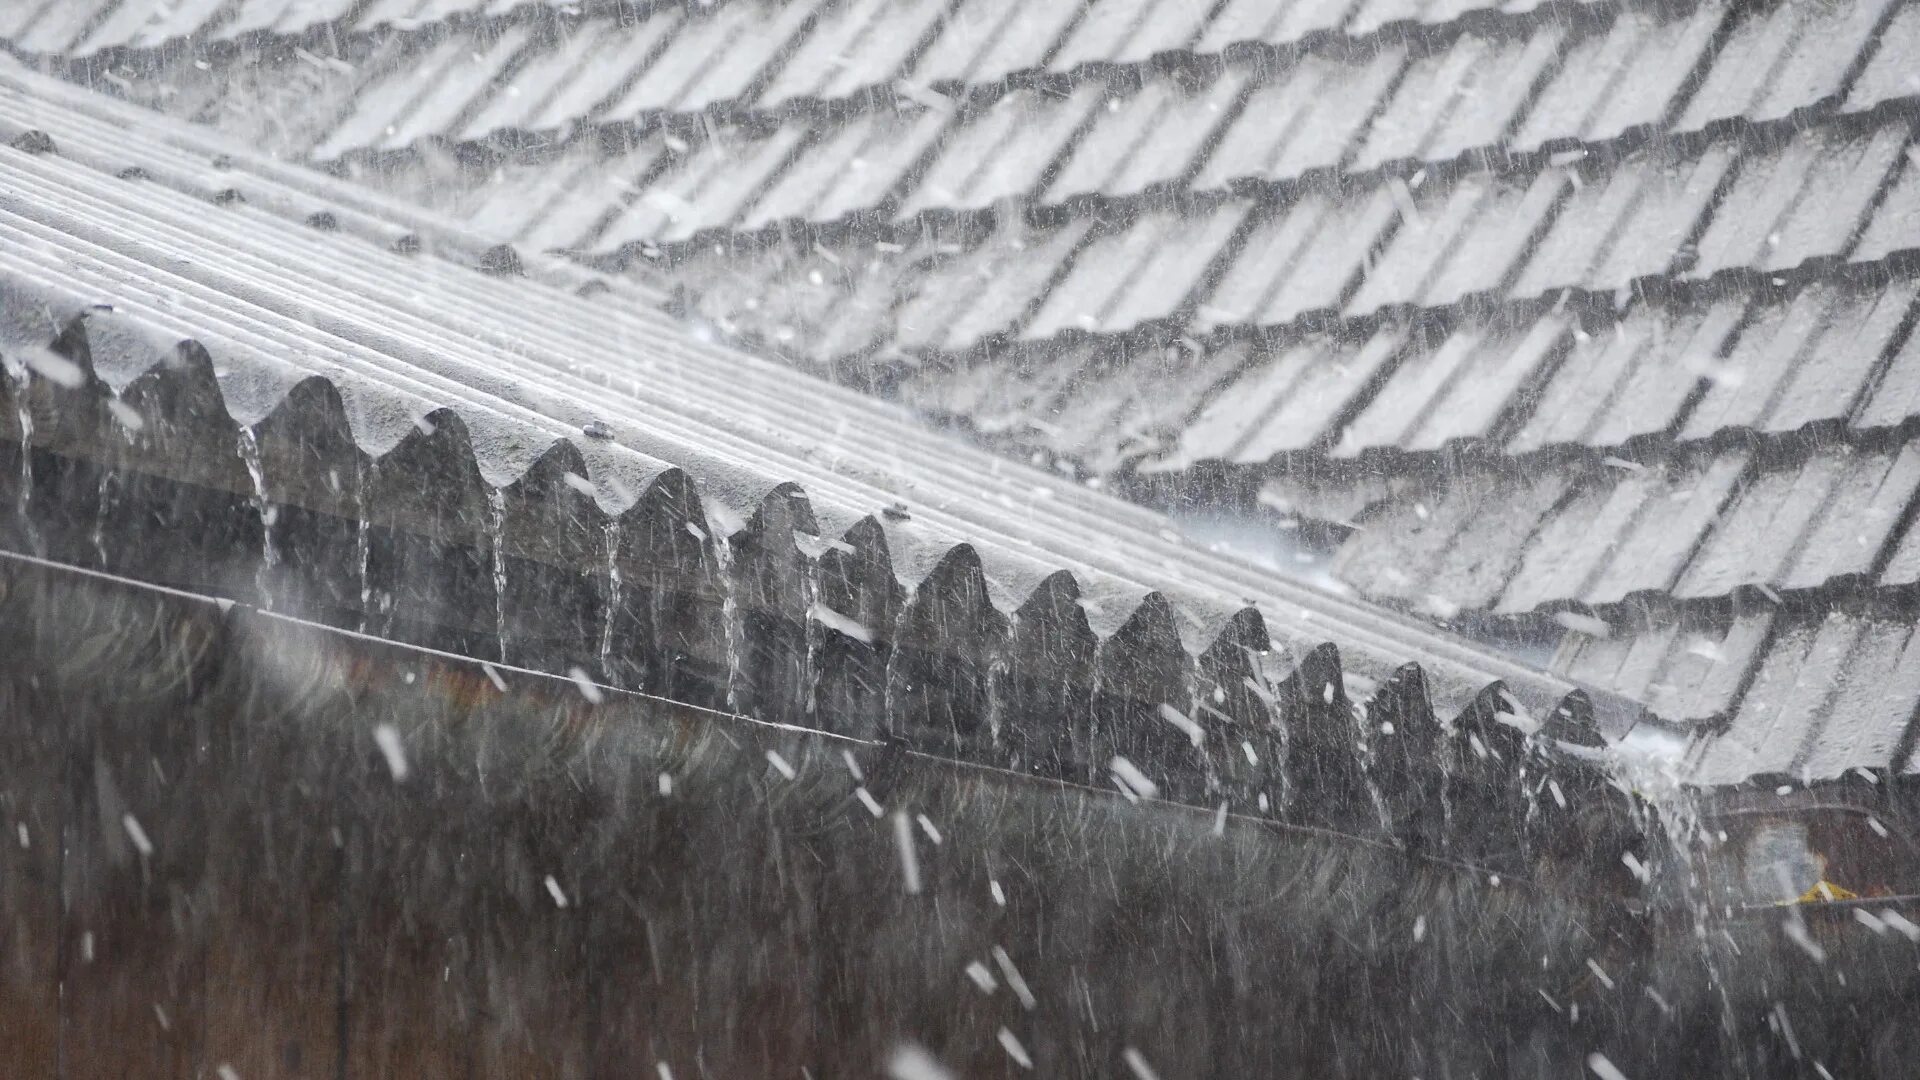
(1497, 245)
(1456, 390)
(801, 303)
(1697, 527)
(968, 298)
(1433, 226)
(1806, 359)
(631, 47)
(17, 19)
(56, 28)
(1625, 77)
(1302, 259)
(1471, 572)
(1895, 225)
(1663, 542)
(472, 80)
(997, 399)
(1866, 721)
(1630, 379)
(1124, 33)
(854, 45)
(1689, 673)
(384, 102)
(1130, 403)
(1897, 394)
(1003, 151)
(1866, 508)
(714, 58)
(1431, 88)
(280, 16)
(1461, 98)
(1151, 137)
(1790, 698)
(1780, 58)
(1629, 224)
(1455, 547)
(1575, 545)
(1309, 118)
(1140, 272)
(146, 24)
(986, 40)
(1894, 70)
(1762, 536)
(578, 61)
(709, 189)
(1275, 24)
(1802, 201)
(1288, 400)
(854, 168)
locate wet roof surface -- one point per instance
(1598, 307)
(314, 302)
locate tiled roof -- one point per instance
(293, 394)
(1550, 302)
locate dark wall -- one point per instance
(221, 867)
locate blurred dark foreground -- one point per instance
(241, 842)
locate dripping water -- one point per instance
(1369, 770)
(22, 379)
(730, 625)
(889, 700)
(496, 551)
(999, 665)
(269, 554)
(813, 631)
(1282, 735)
(1191, 696)
(613, 599)
(363, 551)
(102, 506)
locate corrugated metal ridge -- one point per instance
(878, 426)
